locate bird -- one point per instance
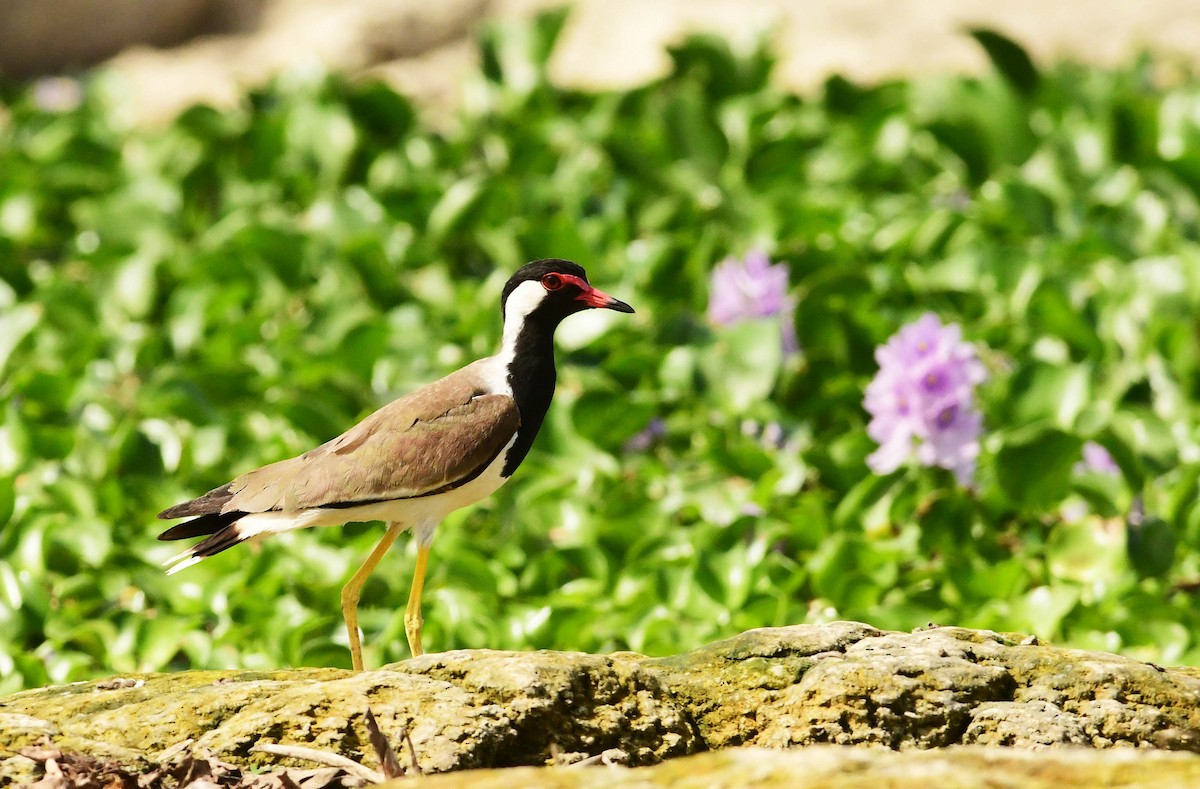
(444, 446)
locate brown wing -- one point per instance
(440, 436)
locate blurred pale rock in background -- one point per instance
(41, 36)
(177, 52)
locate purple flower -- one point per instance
(1096, 459)
(922, 400)
(752, 288)
(647, 436)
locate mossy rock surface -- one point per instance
(834, 767)
(843, 683)
(847, 683)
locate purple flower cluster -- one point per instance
(922, 400)
(752, 288)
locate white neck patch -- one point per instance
(523, 300)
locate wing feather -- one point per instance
(437, 438)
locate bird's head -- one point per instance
(547, 291)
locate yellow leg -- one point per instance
(412, 614)
(353, 588)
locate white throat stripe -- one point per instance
(523, 300)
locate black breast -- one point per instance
(532, 376)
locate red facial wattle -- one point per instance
(594, 297)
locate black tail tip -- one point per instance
(200, 525)
(176, 532)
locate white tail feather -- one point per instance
(181, 561)
(258, 524)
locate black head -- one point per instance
(535, 300)
(550, 290)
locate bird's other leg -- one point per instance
(353, 588)
(413, 621)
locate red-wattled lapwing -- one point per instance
(412, 462)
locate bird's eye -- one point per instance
(552, 282)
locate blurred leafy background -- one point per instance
(182, 304)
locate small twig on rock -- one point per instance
(120, 683)
(198, 769)
(323, 778)
(286, 781)
(170, 753)
(388, 763)
(613, 757)
(74, 770)
(412, 752)
(54, 778)
(322, 757)
(43, 751)
(589, 761)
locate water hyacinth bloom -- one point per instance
(922, 400)
(751, 288)
(1096, 459)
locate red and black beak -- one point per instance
(594, 297)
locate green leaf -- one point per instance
(8, 497)
(1043, 609)
(1054, 392)
(453, 207)
(1151, 546)
(1009, 58)
(1084, 551)
(861, 499)
(15, 324)
(379, 109)
(744, 364)
(1034, 465)
(709, 62)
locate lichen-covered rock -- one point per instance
(848, 683)
(138, 716)
(832, 767)
(842, 683)
(1029, 724)
(579, 704)
(461, 710)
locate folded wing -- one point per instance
(435, 439)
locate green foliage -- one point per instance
(1033, 467)
(1009, 58)
(182, 304)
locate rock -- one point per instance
(1027, 725)
(48, 36)
(580, 704)
(843, 683)
(606, 45)
(305, 35)
(848, 683)
(462, 710)
(832, 767)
